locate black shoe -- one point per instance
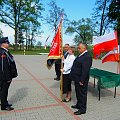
(7, 108)
(8, 105)
(79, 112)
(57, 78)
(74, 107)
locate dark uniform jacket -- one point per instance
(4, 66)
(8, 68)
(80, 69)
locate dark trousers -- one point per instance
(81, 95)
(66, 83)
(57, 70)
(4, 93)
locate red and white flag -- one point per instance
(105, 43)
(112, 56)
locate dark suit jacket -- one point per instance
(4, 66)
(65, 54)
(81, 67)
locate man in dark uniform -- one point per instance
(80, 75)
(57, 69)
(58, 63)
(5, 73)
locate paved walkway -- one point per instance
(36, 96)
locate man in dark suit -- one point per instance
(5, 73)
(66, 48)
(58, 63)
(80, 75)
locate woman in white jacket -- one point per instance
(68, 62)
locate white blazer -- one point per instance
(68, 62)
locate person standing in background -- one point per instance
(58, 63)
(8, 71)
(66, 48)
(68, 62)
(80, 75)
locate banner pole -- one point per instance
(61, 77)
(118, 35)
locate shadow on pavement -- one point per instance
(19, 95)
(94, 91)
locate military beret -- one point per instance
(4, 40)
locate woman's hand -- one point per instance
(81, 83)
(62, 70)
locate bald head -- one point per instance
(82, 47)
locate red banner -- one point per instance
(56, 48)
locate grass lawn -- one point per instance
(29, 52)
(37, 51)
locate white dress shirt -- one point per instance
(83, 53)
(68, 62)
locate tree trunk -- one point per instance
(20, 47)
(102, 18)
(26, 40)
(16, 25)
(31, 43)
(15, 47)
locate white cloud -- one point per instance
(7, 32)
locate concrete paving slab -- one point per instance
(35, 94)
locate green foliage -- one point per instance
(19, 13)
(114, 13)
(83, 29)
(39, 43)
(1, 2)
(55, 14)
(35, 51)
(100, 17)
(1, 33)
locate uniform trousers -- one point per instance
(81, 95)
(57, 70)
(4, 93)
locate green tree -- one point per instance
(16, 13)
(39, 44)
(20, 38)
(114, 13)
(100, 16)
(0, 1)
(55, 14)
(32, 26)
(1, 33)
(82, 29)
(32, 30)
(114, 16)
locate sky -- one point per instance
(75, 10)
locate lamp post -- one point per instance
(24, 50)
